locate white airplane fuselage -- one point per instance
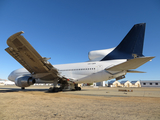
(85, 72)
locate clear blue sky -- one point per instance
(66, 30)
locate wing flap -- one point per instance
(130, 64)
(20, 49)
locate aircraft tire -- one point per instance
(51, 89)
(22, 88)
(79, 88)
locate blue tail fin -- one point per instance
(131, 46)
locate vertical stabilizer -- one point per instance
(131, 46)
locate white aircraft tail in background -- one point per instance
(102, 65)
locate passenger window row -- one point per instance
(78, 69)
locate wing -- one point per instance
(130, 64)
(20, 49)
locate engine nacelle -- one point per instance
(24, 81)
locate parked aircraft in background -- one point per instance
(6, 82)
(9, 83)
(102, 65)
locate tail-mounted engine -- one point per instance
(24, 81)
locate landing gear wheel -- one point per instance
(79, 88)
(51, 89)
(22, 88)
(60, 89)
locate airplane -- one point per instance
(6, 82)
(2, 82)
(9, 82)
(113, 63)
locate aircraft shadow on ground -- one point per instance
(5, 90)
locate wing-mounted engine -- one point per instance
(24, 81)
(98, 55)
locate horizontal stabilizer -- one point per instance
(134, 71)
(130, 64)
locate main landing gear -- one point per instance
(76, 87)
(54, 89)
(72, 87)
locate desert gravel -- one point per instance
(41, 105)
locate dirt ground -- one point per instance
(41, 105)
